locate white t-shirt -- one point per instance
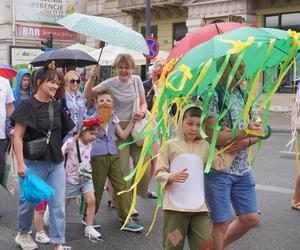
(124, 95)
(6, 96)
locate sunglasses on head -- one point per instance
(73, 81)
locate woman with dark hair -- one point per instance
(34, 118)
(41, 212)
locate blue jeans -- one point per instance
(54, 175)
(223, 190)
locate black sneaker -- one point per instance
(96, 223)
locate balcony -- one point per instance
(159, 8)
(134, 5)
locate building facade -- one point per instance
(25, 23)
(171, 20)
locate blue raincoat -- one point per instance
(16, 90)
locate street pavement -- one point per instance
(278, 230)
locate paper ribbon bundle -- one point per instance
(261, 50)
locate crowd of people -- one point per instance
(82, 157)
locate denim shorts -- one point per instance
(84, 186)
(223, 190)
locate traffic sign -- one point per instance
(153, 46)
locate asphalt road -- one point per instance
(278, 230)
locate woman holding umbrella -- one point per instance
(123, 91)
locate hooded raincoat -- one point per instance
(19, 97)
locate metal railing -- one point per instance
(131, 3)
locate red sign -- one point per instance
(41, 32)
(153, 47)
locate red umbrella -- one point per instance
(7, 72)
(201, 35)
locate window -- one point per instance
(272, 21)
(153, 31)
(285, 21)
(179, 31)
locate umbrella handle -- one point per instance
(100, 54)
(267, 135)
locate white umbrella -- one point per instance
(110, 52)
(82, 47)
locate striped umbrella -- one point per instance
(7, 72)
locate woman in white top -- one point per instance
(124, 94)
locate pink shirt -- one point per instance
(69, 147)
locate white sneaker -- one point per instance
(46, 216)
(92, 234)
(25, 242)
(42, 237)
(135, 214)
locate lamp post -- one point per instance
(148, 29)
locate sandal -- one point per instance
(152, 195)
(296, 205)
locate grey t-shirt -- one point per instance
(124, 95)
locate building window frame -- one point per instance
(174, 38)
(287, 85)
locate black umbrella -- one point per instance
(63, 57)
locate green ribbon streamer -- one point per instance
(210, 93)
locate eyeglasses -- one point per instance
(104, 100)
(73, 81)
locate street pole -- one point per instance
(148, 30)
(13, 4)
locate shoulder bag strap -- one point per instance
(135, 87)
(51, 118)
(137, 101)
(78, 151)
(51, 114)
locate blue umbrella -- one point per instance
(105, 29)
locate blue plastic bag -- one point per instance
(34, 189)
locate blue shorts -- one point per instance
(74, 190)
(223, 190)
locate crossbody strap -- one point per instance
(135, 87)
(51, 118)
(78, 151)
(137, 94)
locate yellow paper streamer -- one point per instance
(238, 45)
(252, 92)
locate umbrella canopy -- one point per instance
(63, 57)
(105, 29)
(202, 68)
(110, 52)
(82, 47)
(7, 72)
(201, 35)
(218, 47)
